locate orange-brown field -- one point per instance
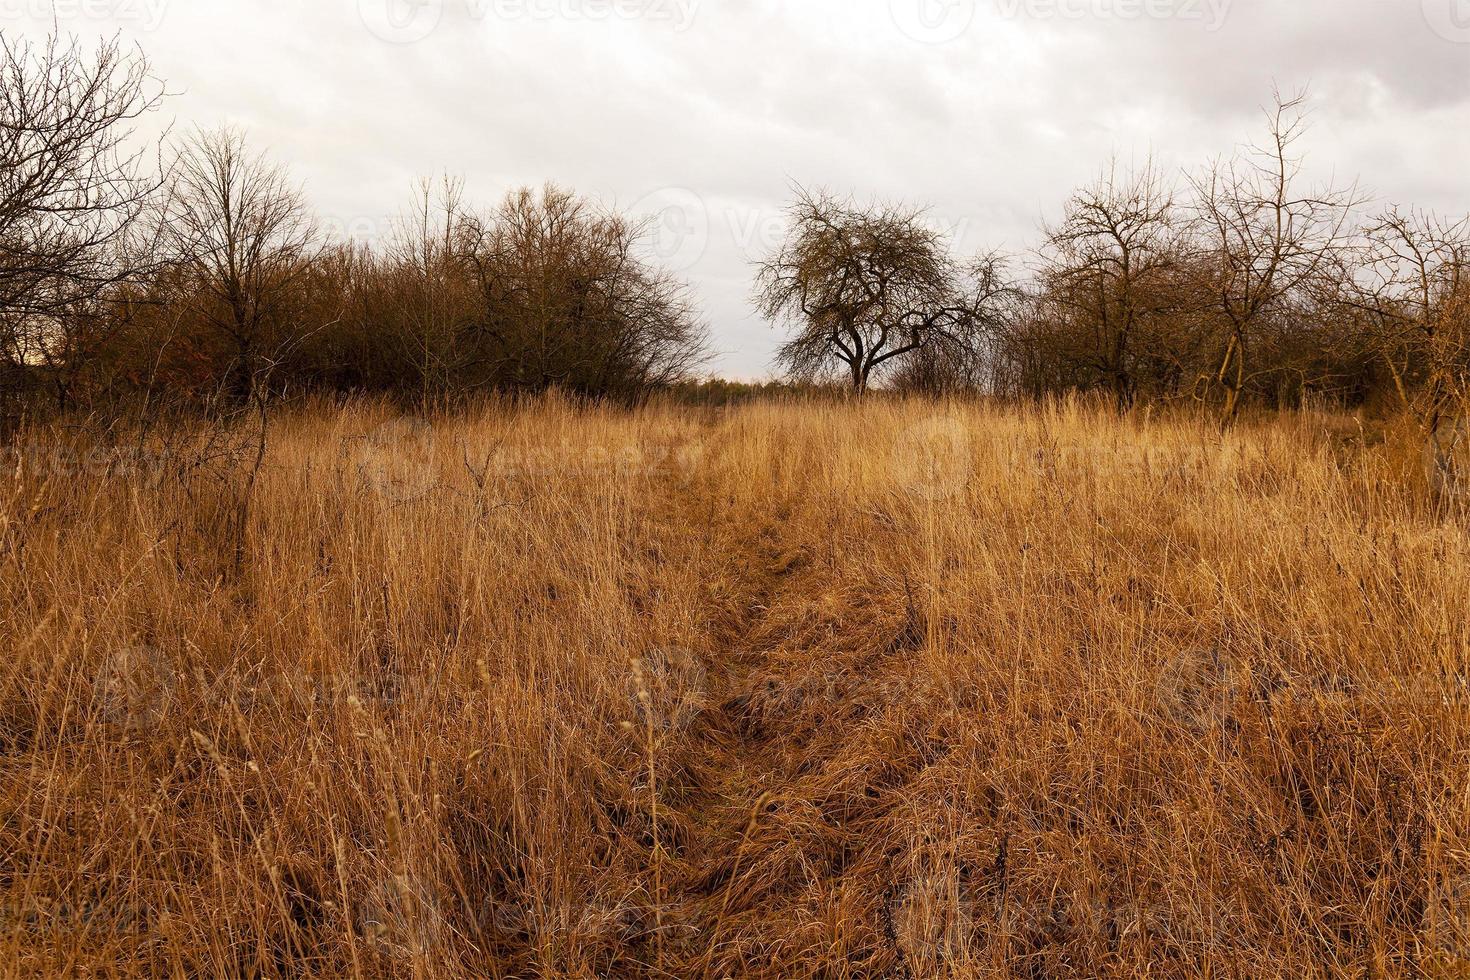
(800, 689)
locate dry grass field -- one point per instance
(785, 690)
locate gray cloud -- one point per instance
(989, 110)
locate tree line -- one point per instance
(193, 270)
(1241, 283)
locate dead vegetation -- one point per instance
(892, 689)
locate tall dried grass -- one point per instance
(788, 690)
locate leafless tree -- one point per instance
(865, 287)
(427, 258)
(1414, 270)
(241, 236)
(1111, 265)
(958, 361)
(1265, 237)
(567, 301)
(74, 180)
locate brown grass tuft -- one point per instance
(788, 690)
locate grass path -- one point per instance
(1110, 702)
(746, 769)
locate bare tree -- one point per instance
(567, 301)
(966, 360)
(241, 237)
(1414, 269)
(1111, 264)
(74, 180)
(864, 287)
(1265, 237)
(428, 258)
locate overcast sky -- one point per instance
(703, 112)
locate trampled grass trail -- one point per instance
(898, 689)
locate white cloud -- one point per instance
(989, 110)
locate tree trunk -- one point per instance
(1233, 352)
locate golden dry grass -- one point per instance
(791, 690)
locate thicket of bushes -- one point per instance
(203, 277)
(1241, 284)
